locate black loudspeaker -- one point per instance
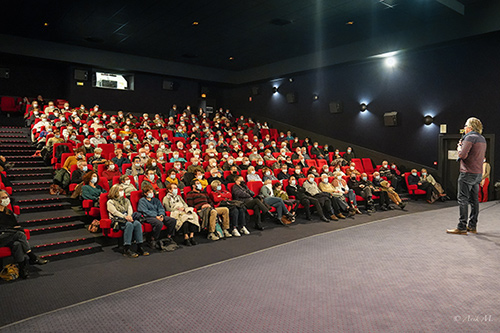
(391, 118)
(291, 98)
(4, 73)
(255, 90)
(336, 107)
(168, 85)
(81, 75)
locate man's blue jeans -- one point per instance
(468, 188)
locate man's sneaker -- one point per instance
(227, 234)
(244, 231)
(213, 237)
(129, 254)
(456, 231)
(236, 233)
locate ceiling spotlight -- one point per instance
(428, 120)
(45, 24)
(203, 95)
(390, 62)
(350, 23)
(196, 23)
(315, 97)
(363, 107)
(275, 90)
(231, 58)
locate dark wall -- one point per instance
(451, 82)
(31, 77)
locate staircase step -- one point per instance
(14, 158)
(55, 227)
(19, 146)
(15, 140)
(23, 170)
(63, 239)
(40, 218)
(27, 163)
(35, 198)
(44, 207)
(71, 252)
(31, 185)
(9, 153)
(12, 135)
(30, 176)
(21, 190)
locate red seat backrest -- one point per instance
(134, 199)
(255, 187)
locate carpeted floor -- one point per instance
(400, 274)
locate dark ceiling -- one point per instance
(253, 32)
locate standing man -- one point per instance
(471, 151)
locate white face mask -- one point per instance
(175, 191)
(121, 193)
(5, 202)
(151, 195)
(325, 180)
(352, 168)
(311, 180)
(94, 180)
(127, 182)
(151, 177)
(111, 167)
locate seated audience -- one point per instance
(91, 190)
(120, 212)
(283, 215)
(187, 219)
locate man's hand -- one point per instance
(206, 206)
(129, 218)
(160, 217)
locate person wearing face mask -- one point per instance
(352, 170)
(337, 198)
(97, 158)
(349, 154)
(317, 152)
(427, 177)
(77, 175)
(384, 201)
(120, 211)
(164, 149)
(96, 124)
(200, 176)
(282, 213)
(111, 170)
(173, 179)
(207, 212)
(431, 194)
(151, 178)
(238, 215)
(12, 236)
(283, 174)
(386, 187)
(241, 192)
(245, 163)
(385, 170)
(260, 164)
(252, 175)
(153, 212)
(187, 219)
(55, 139)
(176, 157)
(136, 168)
(268, 174)
(313, 171)
(114, 139)
(91, 190)
(212, 163)
(97, 139)
(151, 139)
(127, 185)
(216, 174)
(294, 190)
(72, 160)
(341, 186)
(360, 188)
(120, 159)
(273, 147)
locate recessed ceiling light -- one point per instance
(45, 24)
(231, 58)
(350, 23)
(196, 23)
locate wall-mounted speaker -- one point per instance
(81, 75)
(4, 73)
(168, 85)
(255, 90)
(291, 98)
(336, 107)
(391, 118)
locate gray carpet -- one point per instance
(401, 274)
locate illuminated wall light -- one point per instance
(390, 62)
(363, 107)
(290, 80)
(315, 97)
(428, 120)
(250, 98)
(275, 90)
(203, 95)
